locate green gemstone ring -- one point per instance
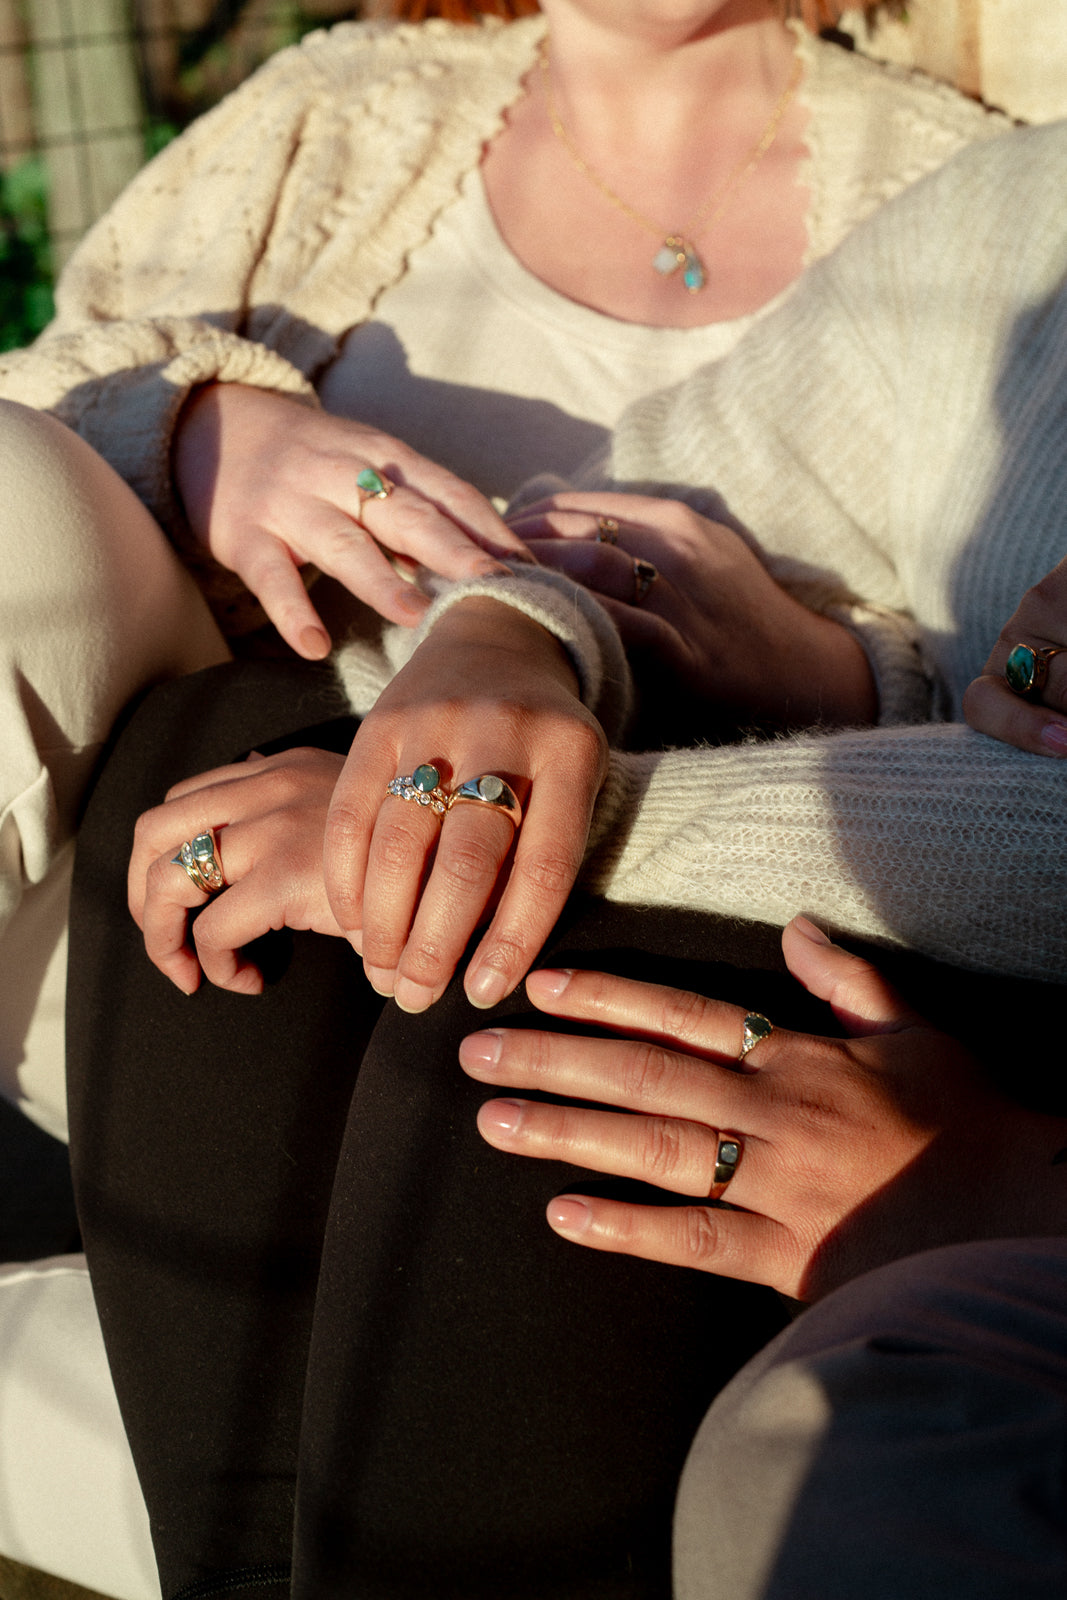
(756, 1028)
(200, 863)
(1026, 669)
(372, 486)
(423, 786)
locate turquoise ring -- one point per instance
(423, 786)
(1026, 669)
(201, 864)
(728, 1153)
(372, 485)
(756, 1028)
(488, 790)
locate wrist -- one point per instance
(483, 624)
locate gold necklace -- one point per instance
(677, 249)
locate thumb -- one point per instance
(861, 999)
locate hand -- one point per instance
(854, 1151)
(269, 815)
(714, 625)
(268, 483)
(489, 691)
(990, 706)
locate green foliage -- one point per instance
(25, 254)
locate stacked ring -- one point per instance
(198, 859)
(372, 485)
(607, 530)
(1026, 669)
(488, 790)
(728, 1153)
(423, 786)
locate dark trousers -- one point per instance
(352, 1358)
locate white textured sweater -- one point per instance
(898, 429)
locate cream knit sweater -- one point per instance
(902, 422)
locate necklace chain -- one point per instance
(677, 249)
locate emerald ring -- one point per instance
(756, 1028)
(1026, 669)
(423, 786)
(371, 485)
(197, 857)
(488, 790)
(728, 1153)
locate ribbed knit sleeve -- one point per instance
(934, 838)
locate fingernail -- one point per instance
(486, 988)
(314, 644)
(810, 931)
(1054, 738)
(503, 1115)
(568, 1214)
(413, 997)
(553, 980)
(381, 980)
(480, 1050)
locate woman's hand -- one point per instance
(854, 1152)
(269, 816)
(268, 484)
(713, 624)
(489, 691)
(1037, 723)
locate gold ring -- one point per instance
(756, 1028)
(607, 530)
(728, 1153)
(488, 790)
(1026, 669)
(197, 857)
(645, 575)
(422, 786)
(371, 485)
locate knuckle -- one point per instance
(548, 872)
(466, 862)
(646, 1072)
(683, 1014)
(662, 1151)
(704, 1238)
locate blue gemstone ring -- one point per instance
(488, 790)
(1026, 669)
(371, 485)
(728, 1153)
(201, 864)
(423, 786)
(756, 1027)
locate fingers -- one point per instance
(674, 1017)
(860, 997)
(991, 707)
(733, 1244)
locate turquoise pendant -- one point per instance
(677, 252)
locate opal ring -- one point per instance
(728, 1153)
(372, 485)
(198, 859)
(756, 1028)
(607, 530)
(488, 790)
(645, 575)
(423, 786)
(1026, 669)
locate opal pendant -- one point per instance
(677, 252)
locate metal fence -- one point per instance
(88, 90)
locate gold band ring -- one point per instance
(488, 790)
(607, 530)
(645, 575)
(198, 859)
(1026, 669)
(728, 1153)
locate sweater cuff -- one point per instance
(890, 640)
(566, 610)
